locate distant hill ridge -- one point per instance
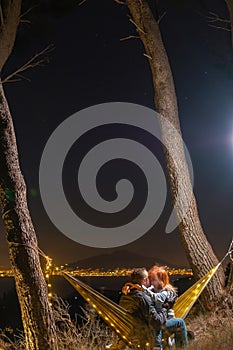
(121, 258)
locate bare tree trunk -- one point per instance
(9, 20)
(37, 317)
(31, 287)
(230, 9)
(198, 250)
(229, 286)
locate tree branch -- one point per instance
(214, 17)
(27, 11)
(218, 22)
(1, 16)
(130, 37)
(120, 2)
(36, 60)
(219, 27)
(161, 17)
(138, 28)
(148, 56)
(81, 2)
(230, 9)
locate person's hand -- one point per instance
(126, 289)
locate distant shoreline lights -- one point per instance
(117, 272)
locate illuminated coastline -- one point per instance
(117, 272)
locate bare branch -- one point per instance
(161, 17)
(138, 28)
(11, 80)
(81, 2)
(37, 60)
(150, 58)
(21, 77)
(214, 17)
(1, 15)
(130, 37)
(120, 2)
(25, 21)
(27, 11)
(218, 22)
(218, 27)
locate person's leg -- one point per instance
(178, 326)
(159, 339)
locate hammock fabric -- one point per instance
(121, 321)
(113, 314)
(185, 302)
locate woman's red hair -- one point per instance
(159, 274)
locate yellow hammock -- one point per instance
(185, 302)
(120, 320)
(113, 314)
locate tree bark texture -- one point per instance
(37, 317)
(230, 9)
(9, 20)
(30, 283)
(198, 250)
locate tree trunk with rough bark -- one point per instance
(230, 10)
(9, 20)
(37, 316)
(31, 287)
(198, 250)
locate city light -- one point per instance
(52, 270)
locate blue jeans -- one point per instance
(177, 326)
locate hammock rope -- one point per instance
(185, 302)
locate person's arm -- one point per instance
(160, 296)
(158, 317)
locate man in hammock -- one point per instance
(147, 320)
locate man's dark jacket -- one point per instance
(146, 320)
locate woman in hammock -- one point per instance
(164, 294)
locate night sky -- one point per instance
(91, 65)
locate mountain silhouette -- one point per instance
(120, 258)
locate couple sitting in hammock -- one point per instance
(149, 298)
